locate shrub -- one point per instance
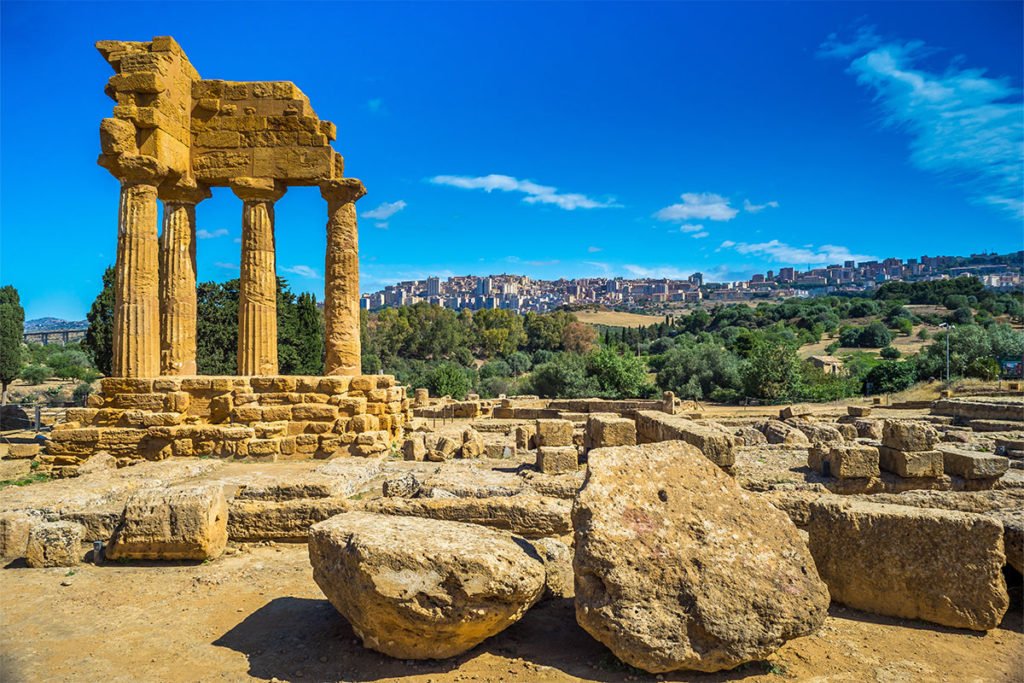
(890, 353)
(81, 392)
(448, 379)
(36, 374)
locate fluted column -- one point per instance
(136, 343)
(178, 279)
(257, 300)
(341, 277)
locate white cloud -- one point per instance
(209, 235)
(302, 271)
(962, 124)
(226, 266)
(691, 227)
(699, 206)
(382, 225)
(593, 250)
(700, 235)
(786, 254)
(535, 194)
(385, 210)
(657, 272)
(750, 207)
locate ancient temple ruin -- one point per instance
(174, 135)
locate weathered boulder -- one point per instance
(441, 448)
(14, 529)
(913, 563)
(816, 432)
(419, 588)
(524, 515)
(751, 436)
(910, 463)
(179, 523)
(972, 464)
(677, 567)
(557, 559)
(780, 432)
(797, 410)
(54, 544)
(403, 485)
(472, 444)
(908, 435)
(414, 447)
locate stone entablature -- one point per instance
(173, 135)
(278, 417)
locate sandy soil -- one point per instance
(617, 318)
(256, 614)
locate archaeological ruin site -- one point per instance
(344, 527)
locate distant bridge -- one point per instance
(45, 337)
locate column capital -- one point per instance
(185, 191)
(342, 190)
(258, 189)
(138, 169)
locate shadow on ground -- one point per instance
(291, 638)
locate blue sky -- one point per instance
(550, 139)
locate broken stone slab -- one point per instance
(910, 463)
(180, 523)
(677, 567)
(908, 435)
(798, 410)
(422, 588)
(467, 480)
(935, 565)
(524, 515)
(972, 464)
(557, 459)
(782, 433)
(54, 544)
(279, 520)
(14, 469)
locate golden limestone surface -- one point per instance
(172, 136)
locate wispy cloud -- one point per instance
(385, 210)
(750, 207)
(962, 124)
(211, 234)
(550, 262)
(593, 250)
(691, 227)
(225, 266)
(787, 254)
(535, 194)
(700, 235)
(303, 271)
(605, 268)
(698, 206)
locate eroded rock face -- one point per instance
(422, 588)
(181, 523)
(678, 568)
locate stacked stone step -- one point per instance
(267, 418)
(908, 449)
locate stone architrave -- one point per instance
(257, 292)
(341, 275)
(178, 314)
(136, 343)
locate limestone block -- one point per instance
(799, 410)
(140, 401)
(14, 530)
(526, 515)
(110, 386)
(911, 563)
(414, 448)
(280, 520)
(908, 435)
(910, 463)
(972, 464)
(334, 385)
(364, 423)
(554, 433)
(314, 411)
(349, 406)
(54, 544)
(472, 443)
(557, 459)
(282, 384)
(858, 411)
(363, 383)
(178, 401)
(525, 436)
(177, 523)
(610, 431)
(845, 461)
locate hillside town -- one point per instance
(521, 293)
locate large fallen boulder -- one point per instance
(54, 544)
(782, 433)
(913, 563)
(525, 515)
(179, 523)
(677, 567)
(421, 588)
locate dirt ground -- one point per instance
(256, 614)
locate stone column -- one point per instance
(178, 279)
(136, 342)
(341, 277)
(257, 300)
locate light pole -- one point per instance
(949, 328)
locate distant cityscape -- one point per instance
(522, 294)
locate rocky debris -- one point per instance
(910, 463)
(472, 444)
(180, 523)
(908, 435)
(843, 460)
(441, 447)
(972, 464)
(286, 520)
(524, 515)
(404, 485)
(467, 480)
(912, 563)
(554, 433)
(677, 567)
(414, 447)
(798, 410)
(563, 486)
(557, 459)
(54, 544)
(816, 432)
(557, 559)
(783, 433)
(868, 429)
(848, 431)
(610, 430)
(422, 588)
